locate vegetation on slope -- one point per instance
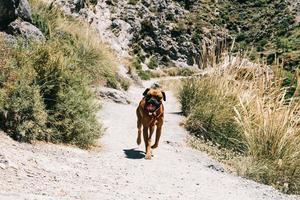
(268, 26)
(209, 107)
(244, 109)
(249, 109)
(45, 89)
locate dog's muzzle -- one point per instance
(152, 105)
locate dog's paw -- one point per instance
(154, 146)
(148, 157)
(138, 141)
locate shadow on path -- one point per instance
(134, 154)
(175, 113)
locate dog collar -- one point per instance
(154, 118)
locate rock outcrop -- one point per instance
(161, 32)
(16, 19)
(112, 94)
(24, 11)
(155, 31)
(26, 29)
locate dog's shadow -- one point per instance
(134, 153)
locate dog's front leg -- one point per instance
(148, 145)
(146, 139)
(151, 128)
(158, 133)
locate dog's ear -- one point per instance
(164, 96)
(146, 91)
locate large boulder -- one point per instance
(25, 29)
(12, 9)
(8, 12)
(24, 11)
(113, 95)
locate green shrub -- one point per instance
(45, 87)
(42, 24)
(144, 75)
(125, 83)
(69, 101)
(23, 114)
(188, 95)
(153, 63)
(22, 110)
(179, 71)
(211, 112)
(111, 80)
(45, 99)
(136, 63)
(74, 115)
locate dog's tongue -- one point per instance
(150, 107)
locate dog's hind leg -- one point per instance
(139, 127)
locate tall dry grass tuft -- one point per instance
(244, 106)
(270, 125)
(208, 102)
(77, 40)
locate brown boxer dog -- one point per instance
(150, 114)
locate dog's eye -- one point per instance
(158, 98)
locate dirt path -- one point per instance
(118, 170)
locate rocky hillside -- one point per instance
(177, 32)
(155, 31)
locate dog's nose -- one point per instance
(154, 101)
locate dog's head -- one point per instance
(153, 98)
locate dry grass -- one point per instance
(243, 106)
(90, 40)
(270, 125)
(95, 58)
(171, 84)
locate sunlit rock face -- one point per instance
(16, 19)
